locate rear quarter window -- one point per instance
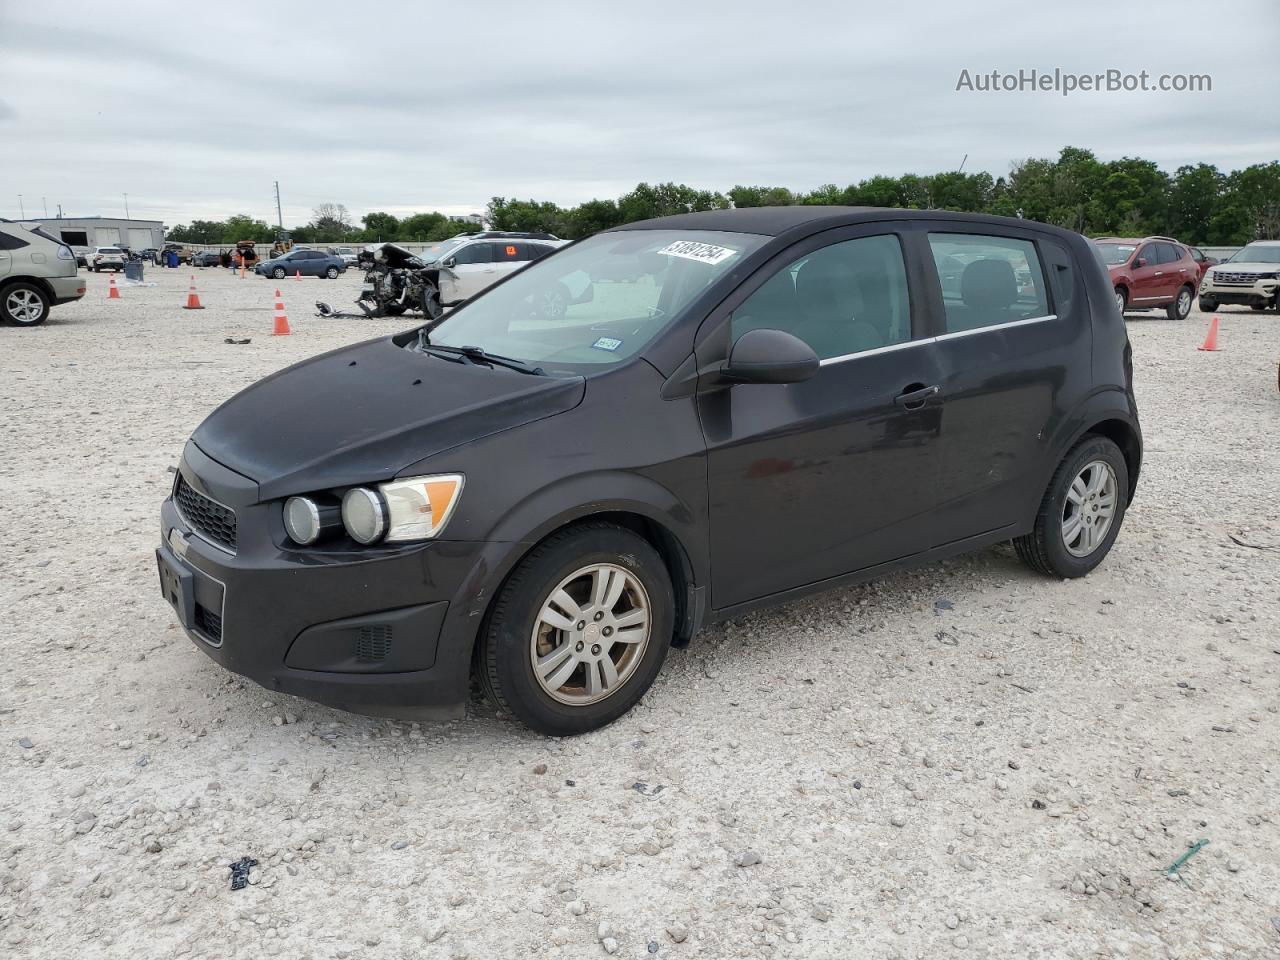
(1060, 267)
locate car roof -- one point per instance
(775, 221)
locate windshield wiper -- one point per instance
(478, 355)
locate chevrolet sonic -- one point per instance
(658, 427)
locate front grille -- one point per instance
(208, 517)
(1235, 279)
(209, 623)
(373, 645)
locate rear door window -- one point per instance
(1168, 253)
(988, 280)
(474, 253)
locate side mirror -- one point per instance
(449, 262)
(769, 356)
(1140, 262)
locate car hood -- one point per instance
(1245, 266)
(363, 413)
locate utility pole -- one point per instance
(962, 163)
(279, 215)
(126, 206)
(22, 211)
(59, 211)
(45, 203)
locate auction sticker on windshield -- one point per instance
(702, 252)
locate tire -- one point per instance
(1257, 306)
(393, 309)
(24, 305)
(332, 273)
(277, 273)
(1207, 305)
(1046, 549)
(514, 632)
(1122, 299)
(1180, 309)
(94, 269)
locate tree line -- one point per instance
(1197, 203)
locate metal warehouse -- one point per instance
(85, 233)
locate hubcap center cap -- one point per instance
(592, 633)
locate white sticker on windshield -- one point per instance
(607, 343)
(702, 252)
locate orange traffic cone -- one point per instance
(282, 322)
(297, 274)
(113, 292)
(193, 298)
(1211, 341)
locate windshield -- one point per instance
(1115, 253)
(598, 301)
(1258, 253)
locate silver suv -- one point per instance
(1250, 278)
(36, 273)
(471, 262)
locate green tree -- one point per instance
(243, 227)
(761, 197)
(592, 217)
(200, 231)
(380, 226)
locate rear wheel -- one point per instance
(1081, 513)
(24, 305)
(1122, 299)
(332, 273)
(1180, 309)
(579, 631)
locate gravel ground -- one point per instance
(963, 760)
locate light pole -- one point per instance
(22, 211)
(126, 206)
(44, 202)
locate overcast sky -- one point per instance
(196, 111)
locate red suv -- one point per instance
(1151, 272)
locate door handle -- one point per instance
(1159, 273)
(915, 397)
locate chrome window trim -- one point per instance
(941, 337)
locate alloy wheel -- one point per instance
(1184, 303)
(23, 306)
(1090, 508)
(590, 634)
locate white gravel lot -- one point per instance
(964, 760)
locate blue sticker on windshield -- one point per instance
(607, 343)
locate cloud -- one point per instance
(197, 112)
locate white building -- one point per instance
(85, 233)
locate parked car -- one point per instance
(1250, 277)
(783, 400)
(1202, 259)
(37, 272)
(471, 262)
(107, 258)
(206, 258)
(184, 252)
(1149, 273)
(348, 254)
(310, 263)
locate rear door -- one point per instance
(812, 480)
(9, 242)
(1010, 365)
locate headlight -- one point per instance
(364, 515)
(419, 507)
(306, 521)
(1268, 276)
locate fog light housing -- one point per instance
(364, 515)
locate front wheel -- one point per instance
(278, 273)
(332, 273)
(579, 631)
(1122, 299)
(1207, 305)
(1081, 513)
(1180, 309)
(25, 305)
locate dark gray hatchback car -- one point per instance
(736, 409)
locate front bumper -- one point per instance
(386, 632)
(1252, 292)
